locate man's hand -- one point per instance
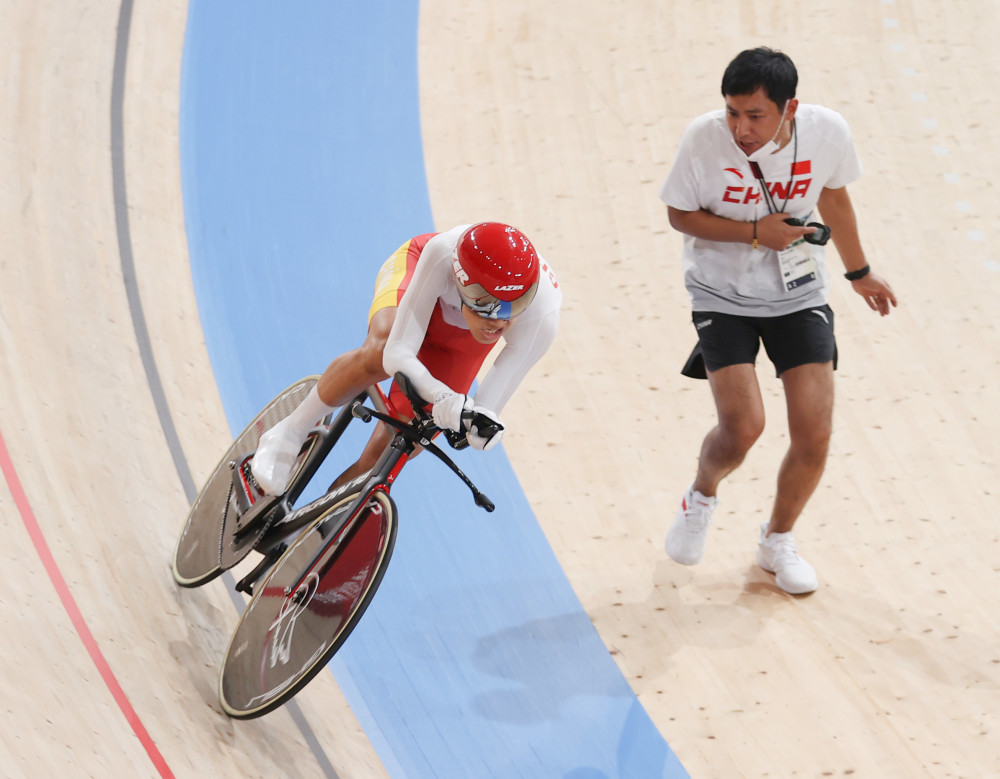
(775, 233)
(876, 292)
(448, 408)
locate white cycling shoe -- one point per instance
(275, 457)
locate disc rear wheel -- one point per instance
(290, 631)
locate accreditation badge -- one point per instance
(798, 267)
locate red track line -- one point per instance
(55, 575)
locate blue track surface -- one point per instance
(302, 167)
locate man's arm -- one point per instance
(771, 230)
(838, 213)
(705, 224)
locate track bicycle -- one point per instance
(321, 563)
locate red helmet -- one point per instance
(496, 269)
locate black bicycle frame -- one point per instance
(302, 516)
(380, 479)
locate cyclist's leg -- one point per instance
(345, 378)
(352, 372)
(381, 437)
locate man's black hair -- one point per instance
(761, 68)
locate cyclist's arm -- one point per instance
(526, 342)
(412, 318)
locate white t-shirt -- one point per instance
(712, 173)
(433, 282)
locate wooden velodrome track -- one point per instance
(561, 118)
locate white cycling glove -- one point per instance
(485, 443)
(448, 408)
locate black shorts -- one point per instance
(791, 340)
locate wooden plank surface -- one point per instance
(561, 118)
(86, 438)
(567, 128)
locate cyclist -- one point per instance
(442, 302)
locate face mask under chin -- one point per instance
(772, 145)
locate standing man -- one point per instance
(744, 188)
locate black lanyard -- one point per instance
(755, 168)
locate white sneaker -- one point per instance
(776, 554)
(275, 457)
(686, 539)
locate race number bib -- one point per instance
(798, 267)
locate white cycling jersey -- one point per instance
(433, 284)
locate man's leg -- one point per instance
(740, 422)
(809, 398)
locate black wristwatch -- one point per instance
(860, 273)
